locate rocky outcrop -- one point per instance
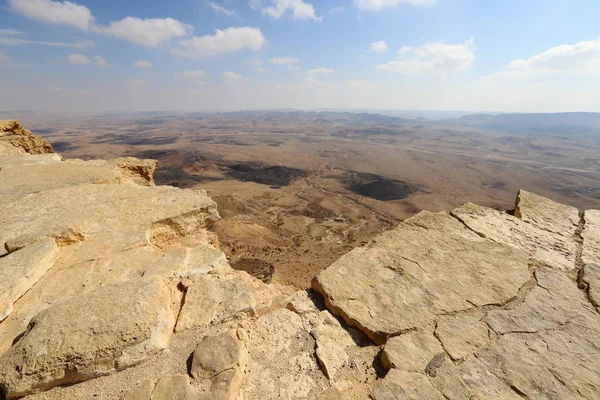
(478, 303)
(111, 328)
(15, 139)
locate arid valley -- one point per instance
(296, 190)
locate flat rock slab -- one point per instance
(546, 214)
(95, 209)
(216, 354)
(106, 330)
(212, 299)
(590, 254)
(20, 270)
(555, 249)
(430, 265)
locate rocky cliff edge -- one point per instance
(113, 288)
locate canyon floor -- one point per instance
(296, 190)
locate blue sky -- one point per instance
(475, 55)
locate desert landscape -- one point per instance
(296, 190)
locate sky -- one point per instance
(220, 55)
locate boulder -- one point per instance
(109, 329)
(216, 354)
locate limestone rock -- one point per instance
(142, 391)
(15, 139)
(95, 209)
(556, 250)
(399, 385)
(590, 255)
(411, 352)
(546, 214)
(216, 354)
(332, 341)
(111, 328)
(135, 170)
(225, 386)
(462, 335)
(281, 363)
(20, 270)
(404, 286)
(169, 387)
(212, 299)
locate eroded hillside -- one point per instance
(115, 288)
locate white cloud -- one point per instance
(289, 62)
(436, 58)
(310, 80)
(320, 71)
(379, 47)
(19, 41)
(136, 83)
(100, 61)
(11, 32)
(376, 5)
(56, 12)
(231, 76)
(221, 9)
(146, 32)
(79, 59)
(276, 9)
(143, 64)
(222, 42)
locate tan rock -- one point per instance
(462, 335)
(226, 385)
(95, 209)
(20, 270)
(142, 391)
(15, 139)
(429, 265)
(546, 214)
(216, 354)
(556, 250)
(212, 299)
(175, 387)
(590, 255)
(281, 363)
(332, 341)
(411, 352)
(111, 328)
(400, 385)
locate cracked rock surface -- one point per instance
(526, 327)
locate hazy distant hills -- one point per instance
(535, 124)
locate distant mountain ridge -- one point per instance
(540, 123)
